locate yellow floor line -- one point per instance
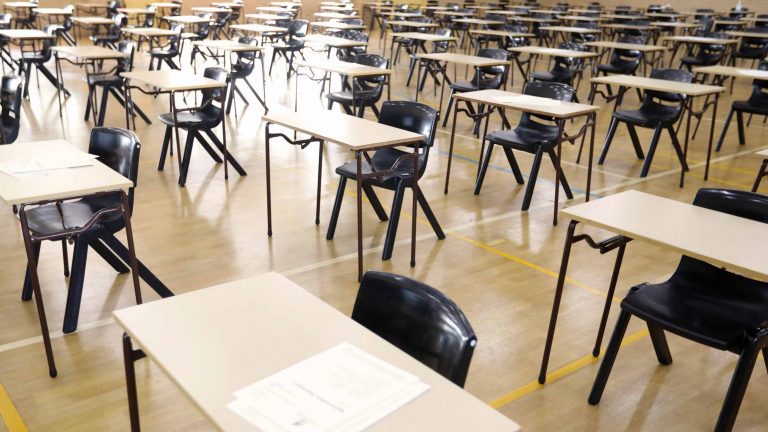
(10, 415)
(559, 373)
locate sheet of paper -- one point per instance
(343, 389)
(46, 162)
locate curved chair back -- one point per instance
(670, 75)
(298, 29)
(491, 76)
(118, 149)
(373, 60)
(545, 89)
(568, 63)
(628, 59)
(419, 320)
(444, 45)
(10, 100)
(149, 18)
(203, 29)
(411, 116)
(217, 95)
(246, 59)
(125, 64)
(759, 94)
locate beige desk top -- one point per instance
(227, 45)
(402, 14)
(747, 34)
(166, 5)
(729, 22)
(21, 5)
(337, 25)
(476, 21)
(53, 11)
(136, 11)
(502, 33)
(286, 4)
(755, 19)
(666, 15)
(715, 237)
(348, 131)
(333, 41)
(506, 12)
(333, 15)
(228, 5)
(623, 17)
(213, 341)
(732, 72)
(54, 184)
(149, 31)
(92, 6)
(553, 52)
(454, 13)
(464, 59)
(186, 19)
(626, 46)
(257, 28)
(645, 83)
(623, 26)
(208, 9)
(264, 17)
(88, 52)
(582, 18)
(413, 24)
(172, 80)
(92, 20)
(675, 24)
(526, 103)
(274, 9)
(343, 68)
(699, 40)
(428, 37)
(564, 29)
(762, 153)
(25, 34)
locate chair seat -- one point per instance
(46, 219)
(562, 76)
(105, 80)
(708, 305)
(749, 107)
(753, 53)
(345, 97)
(467, 86)
(650, 117)
(34, 57)
(525, 138)
(160, 52)
(403, 171)
(616, 69)
(187, 119)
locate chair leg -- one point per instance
(677, 147)
(448, 109)
(760, 174)
(610, 357)
(374, 200)
(635, 141)
(109, 257)
(532, 178)
(608, 140)
(483, 168)
(65, 257)
(394, 218)
(740, 124)
(26, 291)
(660, 345)
(185, 160)
(76, 281)
(166, 146)
(513, 165)
(430, 215)
(737, 388)
(725, 130)
(102, 107)
(336, 208)
(563, 180)
(652, 150)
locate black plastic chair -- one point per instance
(290, 45)
(485, 78)
(705, 304)
(37, 58)
(659, 111)
(10, 103)
(437, 47)
(242, 69)
(62, 31)
(166, 54)
(118, 149)
(198, 120)
(623, 61)
(367, 89)
(751, 48)
(114, 33)
(705, 54)
(530, 136)
(564, 69)
(756, 104)
(411, 116)
(419, 320)
(350, 54)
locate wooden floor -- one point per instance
(497, 263)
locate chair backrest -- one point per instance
(443, 45)
(10, 101)
(414, 117)
(373, 60)
(544, 89)
(217, 95)
(562, 63)
(628, 59)
(118, 149)
(247, 57)
(126, 64)
(759, 94)
(493, 76)
(419, 320)
(149, 18)
(670, 75)
(298, 28)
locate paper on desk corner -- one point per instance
(47, 162)
(531, 100)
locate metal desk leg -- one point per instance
(450, 150)
(319, 180)
(711, 136)
(415, 203)
(269, 183)
(687, 138)
(591, 155)
(129, 357)
(359, 180)
(59, 85)
(558, 168)
(176, 130)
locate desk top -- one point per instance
(344, 68)
(503, 33)
(227, 45)
(186, 19)
(53, 11)
(136, 11)
(762, 153)
(414, 24)
(428, 37)
(257, 28)
(478, 21)
(332, 15)
(532, 19)
(582, 18)
(92, 20)
(732, 72)
(274, 9)
(553, 52)
(566, 29)
(747, 34)
(454, 13)
(213, 340)
(25, 34)
(166, 5)
(149, 31)
(351, 132)
(464, 59)
(626, 46)
(21, 5)
(333, 41)
(645, 83)
(338, 25)
(699, 40)
(209, 9)
(715, 237)
(55, 184)
(526, 103)
(89, 52)
(624, 26)
(172, 80)
(264, 16)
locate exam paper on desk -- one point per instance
(47, 162)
